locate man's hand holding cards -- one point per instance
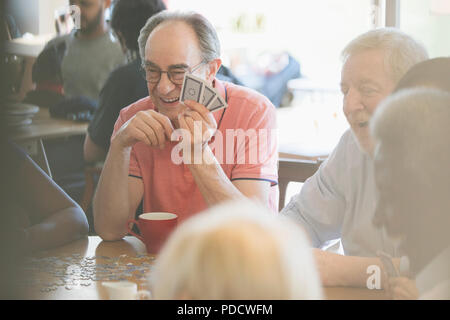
(198, 90)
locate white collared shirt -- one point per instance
(339, 201)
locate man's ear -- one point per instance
(213, 69)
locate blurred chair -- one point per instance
(294, 170)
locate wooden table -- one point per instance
(87, 247)
(31, 136)
(30, 47)
(131, 247)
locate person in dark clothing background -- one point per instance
(46, 74)
(125, 84)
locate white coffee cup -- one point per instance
(121, 290)
(125, 290)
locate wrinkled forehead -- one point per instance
(367, 64)
(172, 37)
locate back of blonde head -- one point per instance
(238, 250)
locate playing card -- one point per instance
(192, 88)
(217, 103)
(199, 90)
(208, 96)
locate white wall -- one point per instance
(25, 14)
(46, 14)
(34, 16)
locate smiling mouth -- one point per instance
(170, 100)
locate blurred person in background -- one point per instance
(92, 51)
(125, 84)
(47, 78)
(69, 74)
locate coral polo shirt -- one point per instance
(169, 185)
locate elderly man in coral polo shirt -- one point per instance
(237, 145)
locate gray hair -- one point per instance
(414, 126)
(401, 50)
(417, 122)
(206, 34)
(434, 73)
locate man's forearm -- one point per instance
(111, 203)
(212, 182)
(352, 271)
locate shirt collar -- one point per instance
(220, 87)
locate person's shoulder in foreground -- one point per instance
(45, 215)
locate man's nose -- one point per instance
(165, 85)
(352, 101)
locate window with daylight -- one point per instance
(313, 32)
(429, 22)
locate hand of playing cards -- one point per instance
(199, 90)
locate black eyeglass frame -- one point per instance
(168, 72)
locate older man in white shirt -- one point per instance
(339, 200)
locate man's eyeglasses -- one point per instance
(175, 74)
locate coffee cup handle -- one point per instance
(130, 231)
